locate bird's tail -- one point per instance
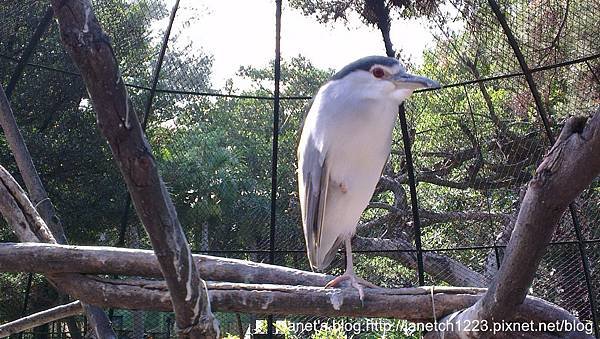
(320, 258)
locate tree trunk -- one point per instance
(90, 49)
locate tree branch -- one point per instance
(47, 258)
(40, 318)
(413, 304)
(29, 226)
(91, 51)
(436, 218)
(568, 168)
(50, 223)
(436, 265)
(27, 169)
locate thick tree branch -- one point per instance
(27, 169)
(47, 258)
(40, 318)
(44, 258)
(413, 304)
(29, 226)
(436, 265)
(568, 168)
(90, 49)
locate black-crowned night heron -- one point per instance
(345, 143)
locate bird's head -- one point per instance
(380, 77)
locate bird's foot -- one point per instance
(354, 280)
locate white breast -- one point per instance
(354, 132)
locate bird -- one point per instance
(344, 144)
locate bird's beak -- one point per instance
(403, 79)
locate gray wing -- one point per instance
(316, 178)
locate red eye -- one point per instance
(378, 72)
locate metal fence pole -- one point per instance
(276, 104)
(512, 41)
(413, 193)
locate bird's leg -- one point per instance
(354, 280)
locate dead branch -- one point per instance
(413, 304)
(91, 51)
(48, 258)
(568, 168)
(18, 211)
(431, 218)
(437, 265)
(40, 318)
(45, 258)
(27, 169)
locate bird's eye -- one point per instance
(378, 72)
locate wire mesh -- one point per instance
(472, 159)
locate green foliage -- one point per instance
(216, 158)
(368, 10)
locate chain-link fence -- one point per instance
(512, 72)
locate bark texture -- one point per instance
(48, 258)
(413, 304)
(27, 169)
(44, 258)
(34, 185)
(90, 49)
(38, 194)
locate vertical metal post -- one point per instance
(512, 41)
(413, 193)
(276, 102)
(26, 298)
(497, 253)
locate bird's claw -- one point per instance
(354, 281)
